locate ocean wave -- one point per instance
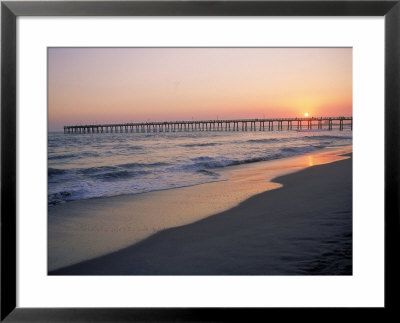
(208, 172)
(79, 192)
(294, 139)
(265, 140)
(89, 154)
(55, 171)
(117, 175)
(96, 170)
(127, 147)
(75, 156)
(112, 173)
(206, 144)
(202, 158)
(137, 165)
(134, 147)
(210, 164)
(290, 151)
(326, 137)
(205, 163)
(56, 157)
(57, 198)
(256, 159)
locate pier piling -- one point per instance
(215, 125)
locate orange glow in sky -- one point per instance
(115, 85)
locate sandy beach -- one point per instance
(300, 223)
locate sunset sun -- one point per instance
(306, 114)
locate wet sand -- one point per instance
(303, 227)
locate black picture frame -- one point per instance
(11, 10)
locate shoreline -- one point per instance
(243, 174)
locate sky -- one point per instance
(119, 85)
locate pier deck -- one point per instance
(279, 124)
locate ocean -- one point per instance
(85, 166)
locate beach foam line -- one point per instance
(85, 229)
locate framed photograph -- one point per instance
(132, 183)
(178, 160)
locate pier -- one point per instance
(278, 124)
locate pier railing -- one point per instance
(279, 124)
